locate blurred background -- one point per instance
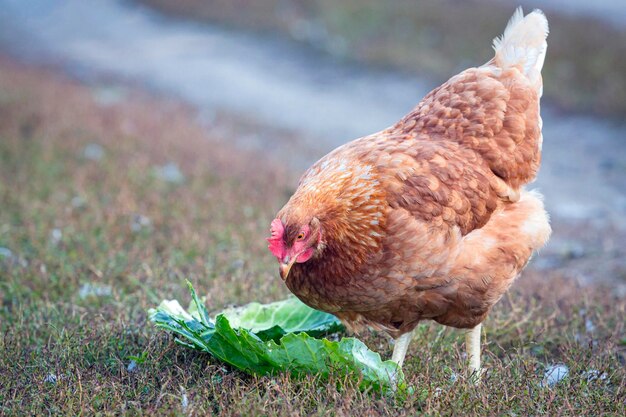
(288, 80)
(147, 142)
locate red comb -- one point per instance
(277, 246)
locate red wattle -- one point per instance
(305, 256)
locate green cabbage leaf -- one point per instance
(284, 336)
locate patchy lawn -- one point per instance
(111, 198)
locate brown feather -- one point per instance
(427, 219)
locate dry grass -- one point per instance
(68, 221)
(585, 68)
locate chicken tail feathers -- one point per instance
(493, 109)
(523, 43)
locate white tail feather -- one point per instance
(523, 44)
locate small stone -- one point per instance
(170, 173)
(132, 366)
(6, 253)
(554, 374)
(55, 236)
(589, 326)
(93, 151)
(78, 202)
(594, 375)
(140, 222)
(50, 379)
(94, 290)
(184, 400)
(11, 258)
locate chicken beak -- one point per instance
(284, 268)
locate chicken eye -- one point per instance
(300, 236)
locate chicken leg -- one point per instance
(472, 345)
(400, 347)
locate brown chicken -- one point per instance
(427, 219)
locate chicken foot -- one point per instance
(400, 347)
(472, 345)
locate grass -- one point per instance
(585, 70)
(83, 269)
